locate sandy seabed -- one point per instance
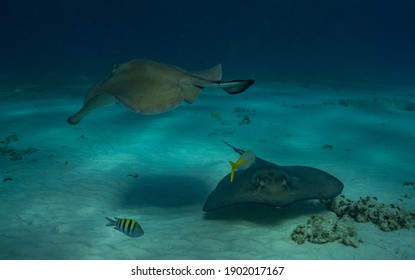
(58, 182)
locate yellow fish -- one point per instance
(214, 115)
(243, 162)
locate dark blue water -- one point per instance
(288, 40)
(59, 181)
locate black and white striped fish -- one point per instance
(126, 226)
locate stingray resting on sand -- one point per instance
(254, 180)
(149, 87)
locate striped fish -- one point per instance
(126, 226)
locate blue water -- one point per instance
(343, 41)
(307, 58)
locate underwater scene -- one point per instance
(207, 130)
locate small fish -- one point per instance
(214, 115)
(126, 226)
(243, 162)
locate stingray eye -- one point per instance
(281, 179)
(285, 181)
(261, 179)
(259, 182)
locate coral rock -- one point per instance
(368, 209)
(327, 228)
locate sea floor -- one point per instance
(58, 181)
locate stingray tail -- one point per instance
(239, 151)
(231, 87)
(236, 86)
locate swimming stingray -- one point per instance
(149, 87)
(255, 180)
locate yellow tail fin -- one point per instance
(234, 167)
(243, 162)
